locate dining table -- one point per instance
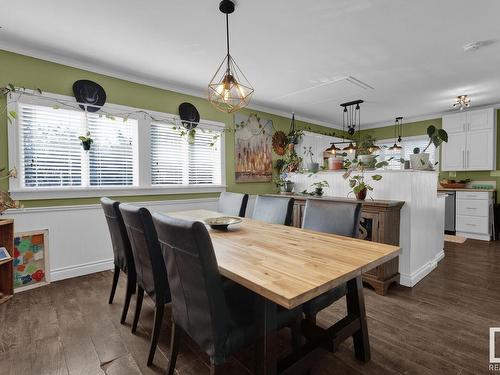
(289, 266)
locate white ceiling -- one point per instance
(294, 52)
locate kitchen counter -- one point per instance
(368, 202)
(465, 189)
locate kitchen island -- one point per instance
(421, 235)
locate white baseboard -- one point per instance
(81, 270)
(474, 236)
(410, 280)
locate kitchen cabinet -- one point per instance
(471, 141)
(474, 214)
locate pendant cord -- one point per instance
(227, 40)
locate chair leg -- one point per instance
(116, 275)
(128, 296)
(174, 348)
(311, 318)
(156, 332)
(138, 306)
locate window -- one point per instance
(408, 144)
(175, 161)
(131, 153)
(51, 154)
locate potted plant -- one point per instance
(291, 160)
(357, 182)
(420, 160)
(86, 141)
(318, 187)
(311, 166)
(284, 184)
(365, 145)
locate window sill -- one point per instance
(55, 193)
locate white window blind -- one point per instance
(176, 161)
(407, 145)
(50, 149)
(112, 157)
(52, 156)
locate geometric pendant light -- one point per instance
(229, 89)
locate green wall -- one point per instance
(23, 71)
(420, 127)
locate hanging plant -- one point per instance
(86, 141)
(6, 200)
(7, 91)
(279, 142)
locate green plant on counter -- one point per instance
(318, 188)
(365, 144)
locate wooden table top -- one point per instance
(289, 265)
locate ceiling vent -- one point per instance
(326, 90)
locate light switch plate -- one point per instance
(495, 173)
(452, 174)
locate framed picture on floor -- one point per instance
(31, 260)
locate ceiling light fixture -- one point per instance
(463, 102)
(229, 89)
(398, 134)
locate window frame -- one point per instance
(143, 160)
(410, 138)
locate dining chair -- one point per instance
(340, 218)
(232, 203)
(219, 317)
(122, 252)
(150, 267)
(274, 210)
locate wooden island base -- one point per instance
(379, 223)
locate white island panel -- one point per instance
(421, 249)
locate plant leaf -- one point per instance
(13, 114)
(11, 87)
(376, 177)
(443, 135)
(431, 130)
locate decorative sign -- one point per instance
(31, 260)
(253, 148)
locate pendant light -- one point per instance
(398, 134)
(332, 149)
(229, 89)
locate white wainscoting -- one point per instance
(79, 240)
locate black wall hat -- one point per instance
(90, 93)
(188, 112)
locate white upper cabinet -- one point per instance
(471, 141)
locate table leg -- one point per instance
(266, 354)
(356, 307)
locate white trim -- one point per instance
(475, 236)
(165, 85)
(47, 209)
(81, 269)
(410, 280)
(432, 116)
(143, 172)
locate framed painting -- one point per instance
(31, 260)
(253, 148)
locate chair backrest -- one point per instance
(275, 210)
(232, 203)
(198, 302)
(122, 251)
(149, 262)
(340, 218)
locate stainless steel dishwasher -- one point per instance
(449, 215)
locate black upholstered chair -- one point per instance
(274, 210)
(122, 253)
(232, 203)
(149, 265)
(219, 317)
(340, 218)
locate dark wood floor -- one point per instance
(438, 327)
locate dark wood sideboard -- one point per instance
(379, 223)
